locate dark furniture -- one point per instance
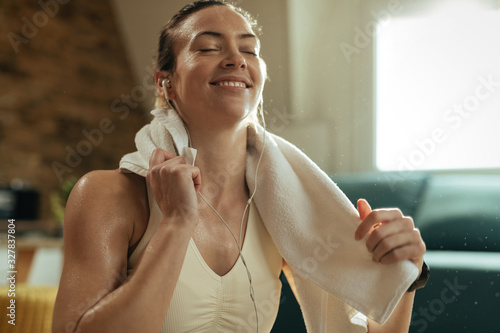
(459, 219)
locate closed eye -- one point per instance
(250, 52)
(208, 50)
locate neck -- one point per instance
(221, 158)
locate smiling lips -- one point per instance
(230, 84)
(232, 81)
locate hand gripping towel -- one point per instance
(309, 219)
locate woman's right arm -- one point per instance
(95, 295)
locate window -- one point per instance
(438, 90)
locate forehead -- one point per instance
(220, 19)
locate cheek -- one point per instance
(188, 69)
(262, 73)
(188, 63)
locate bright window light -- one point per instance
(438, 91)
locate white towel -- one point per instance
(311, 222)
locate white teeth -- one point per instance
(231, 84)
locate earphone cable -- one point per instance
(238, 242)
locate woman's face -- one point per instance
(219, 75)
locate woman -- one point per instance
(210, 72)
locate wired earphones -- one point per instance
(166, 84)
(238, 242)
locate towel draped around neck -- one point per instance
(309, 219)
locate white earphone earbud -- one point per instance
(165, 84)
(164, 89)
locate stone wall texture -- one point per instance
(68, 103)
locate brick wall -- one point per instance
(68, 103)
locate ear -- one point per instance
(160, 76)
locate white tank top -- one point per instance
(206, 302)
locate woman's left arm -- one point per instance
(392, 237)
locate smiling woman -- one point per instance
(205, 41)
(180, 239)
(211, 53)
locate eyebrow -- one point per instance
(219, 35)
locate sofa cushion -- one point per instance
(462, 294)
(384, 189)
(461, 213)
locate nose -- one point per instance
(234, 59)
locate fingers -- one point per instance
(392, 237)
(174, 185)
(385, 231)
(363, 208)
(400, 246)
(196, 176)
(375, 219)
(157, 166)
(159, 156)
(175, 172)
(399, 254)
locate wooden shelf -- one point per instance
(32, 242)
(26, 247)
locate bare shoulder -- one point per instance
(108, 200)
(111, 183)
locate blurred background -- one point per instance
(397, 100)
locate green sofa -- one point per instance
(459, 219)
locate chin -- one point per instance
(234, 112)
